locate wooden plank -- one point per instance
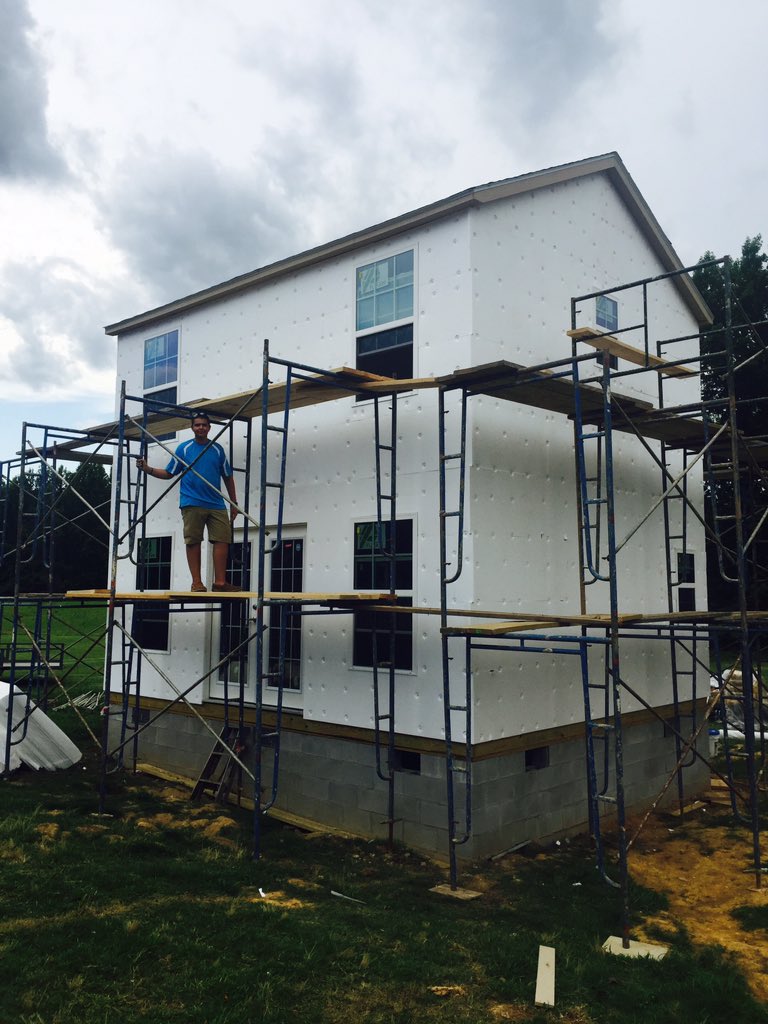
(545, 977)
(623, 350)
(500, 629)
(301, 597)
(457, 894)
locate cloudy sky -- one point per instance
(154, 148)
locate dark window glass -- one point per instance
(153, 572)
(387, 353)
(168, 395)
(686, 599)
(372, 556)
(536, 759)
(686, 567)
(286, 576)
(372, 571)
(233, 624)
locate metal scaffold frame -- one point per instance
(125, 655)
(694, 431)
(703, 433)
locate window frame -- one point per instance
(167, 380)
(405, 595)
(608, 320)
(164, 565)
(375, 322)
(384, 326)
(157, 389)
(295, 623)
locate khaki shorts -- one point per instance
(216, 519)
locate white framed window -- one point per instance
(371, 572)
(607, 313)
(161, 370)
(161, 360)
(385, 291)
(385, 296)
(151, 619)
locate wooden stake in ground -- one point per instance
(545, 977)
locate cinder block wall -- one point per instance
(334, 781)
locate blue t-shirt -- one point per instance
(212, 465)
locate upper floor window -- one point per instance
(385, 291)
(161, 360)
(388, 353)
(607, 313)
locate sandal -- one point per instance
(199, 588)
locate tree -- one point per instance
(65, 545)
(749, 319)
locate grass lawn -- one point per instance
(157, 913)
(79, 631)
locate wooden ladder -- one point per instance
(221, 769)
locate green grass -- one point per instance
(81, 631)
(134, 918)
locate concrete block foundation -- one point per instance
(332, 780)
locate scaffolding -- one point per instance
(704, 434)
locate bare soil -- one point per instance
(705, 867)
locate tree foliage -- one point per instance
(64, 544)
(749, 332)
(749, 311)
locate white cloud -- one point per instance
(148, 150)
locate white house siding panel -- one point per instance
(530, 255)
(491, 283)
(310, 318)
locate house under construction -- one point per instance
(471, 464)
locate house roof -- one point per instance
(609, 163)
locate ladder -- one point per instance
(221, 770)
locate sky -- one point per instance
(151, 149)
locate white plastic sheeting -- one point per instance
(43, 746)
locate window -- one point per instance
(161, 368)
(167, 395)
(385, 296)
(385, 291)
(536, 758)
(372, 572)
(607, 313)
(287, 576)
(161, 360)
(153, 572)
(233, 624)
(408, 761)
(388, 353)
(686, 574)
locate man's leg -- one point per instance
(220, 553)
(193, 561)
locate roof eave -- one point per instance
(609, 163)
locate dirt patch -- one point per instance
(704, 867)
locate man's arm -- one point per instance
(229, 483)
(161, 474)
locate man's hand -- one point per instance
(232, 513)
(142, 464)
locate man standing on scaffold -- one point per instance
(202, 468)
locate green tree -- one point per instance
(749, 319)
(65, 545)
